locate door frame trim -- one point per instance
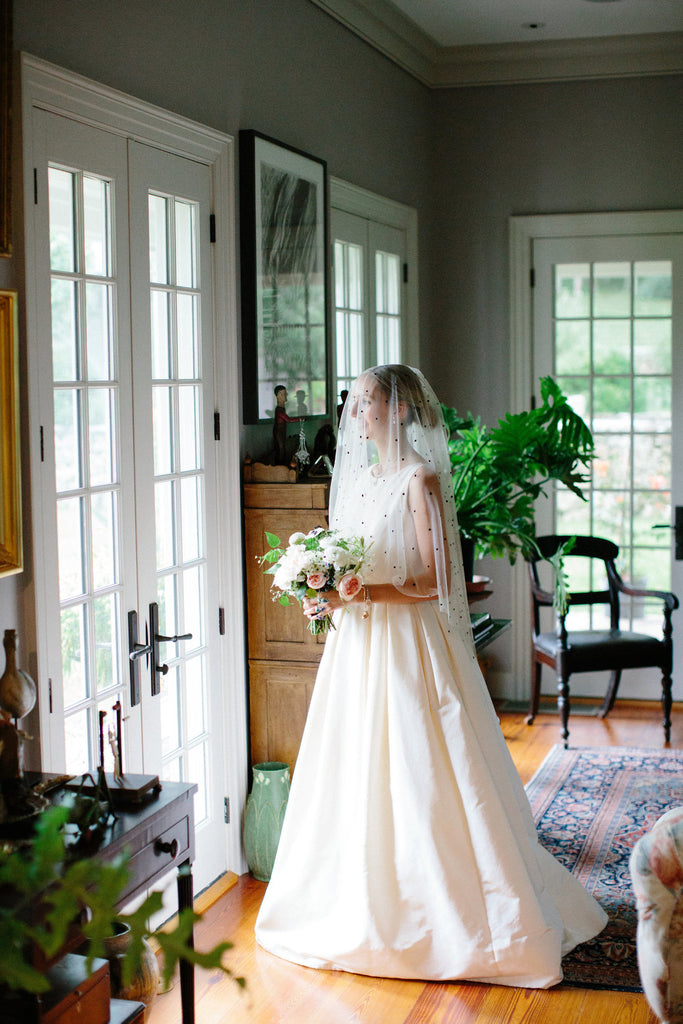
(523, 231)
(55, 89)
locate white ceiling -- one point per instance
(446, 43)
(482, 22)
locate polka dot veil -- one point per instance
(392, 481)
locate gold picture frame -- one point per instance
(11, 551)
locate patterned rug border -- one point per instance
(590, 824)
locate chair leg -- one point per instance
(610, 696)
(563, 706)
(666, 704)
(535, 694)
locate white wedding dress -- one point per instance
(408, 848)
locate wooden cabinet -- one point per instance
(283, 655)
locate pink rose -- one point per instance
(348, 586)
(316, 580)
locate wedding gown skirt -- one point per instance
(408, 848)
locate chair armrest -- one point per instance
(670, 600)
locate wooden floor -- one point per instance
(277, 991)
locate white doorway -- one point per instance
(597, 302)
(135, 467)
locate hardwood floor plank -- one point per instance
(278, 992)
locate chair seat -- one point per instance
(598, 649)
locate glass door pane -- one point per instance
(85, 387)
(179, 485)
(613, 358)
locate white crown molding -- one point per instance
(560, 60)
(385, 28)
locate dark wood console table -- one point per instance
(157, 835)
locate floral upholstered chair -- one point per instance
(656, 866)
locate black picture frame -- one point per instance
(284, 278)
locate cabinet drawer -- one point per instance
(162, 852)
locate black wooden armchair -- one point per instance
(592, 650)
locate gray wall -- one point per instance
(530, 149)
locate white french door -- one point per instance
(608, 324)
(128, 480)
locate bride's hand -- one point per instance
(321, 605)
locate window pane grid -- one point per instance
(179, 480)
(612, 357)
(350, 316)
(86, 447)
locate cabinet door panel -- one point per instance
(275, 631)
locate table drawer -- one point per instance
(164, 851)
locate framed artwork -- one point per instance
(5, 126)
(284, 269)
(11, 558)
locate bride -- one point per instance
(408, 848)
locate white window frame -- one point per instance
(522, 233)
(352, 199)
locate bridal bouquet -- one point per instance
(313, 563)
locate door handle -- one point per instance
(159, 638)
(677, 527)
(136, 651)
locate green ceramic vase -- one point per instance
(264, 815)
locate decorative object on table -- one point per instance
(656, 867)
(11, 549)
(143, 984)
(499, 472)
(19, 806)
(264, 815)
(302, 455)
(44, 868)
(281, 418)
(17, 689)
(313, 563)
(116, 788)
(284, 271)
(591, 805)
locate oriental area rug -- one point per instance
(591, 804)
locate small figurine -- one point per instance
(280, 425)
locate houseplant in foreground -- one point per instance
(82, 891)
(499, 472)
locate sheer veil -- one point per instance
(392, 432)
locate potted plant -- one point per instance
(48, 897)
(499, 472)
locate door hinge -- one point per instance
(216, 426)
(226, 809)
(221, 621)
(532, 277)
(49, 695)
(405, 273)
(35, 186)
(212, 227)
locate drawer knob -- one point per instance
(161, 847)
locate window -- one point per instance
(375, 282)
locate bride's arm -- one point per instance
(426, 508)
